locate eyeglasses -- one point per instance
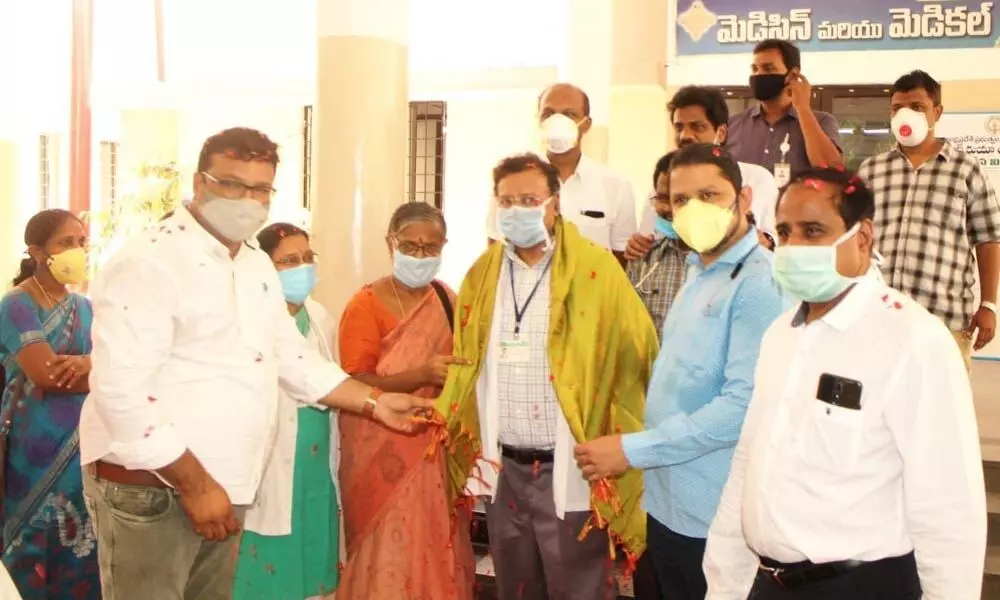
(412, 248)
(294, 260)
(237, 190)
(656, 198)
(524, 201)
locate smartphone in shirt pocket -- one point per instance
(834, 425)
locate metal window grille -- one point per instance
(45, 170)
(109, 170)
(307, 154)
(425, 164)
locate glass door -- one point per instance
(863, 115)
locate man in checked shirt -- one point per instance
(933, 207)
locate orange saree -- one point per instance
(402, 538)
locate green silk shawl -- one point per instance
(602, 344)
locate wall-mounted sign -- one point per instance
(729, 26)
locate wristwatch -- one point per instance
(990, 306)
(368, 409)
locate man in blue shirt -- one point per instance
(703, 378)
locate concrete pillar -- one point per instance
(360, 136)
(586, 62)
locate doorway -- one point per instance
(862, 112)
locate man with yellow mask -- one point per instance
(703, 377)
(560, 350)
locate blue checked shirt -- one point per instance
(702, 383)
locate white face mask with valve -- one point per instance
(560, 133)
(910, 127)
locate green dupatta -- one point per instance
(602, 344)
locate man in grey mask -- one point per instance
(191, 339)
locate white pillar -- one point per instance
(360, 125)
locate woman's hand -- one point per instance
(68, 370)
(436, 370)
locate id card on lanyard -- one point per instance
(517, 350)
(782, 169)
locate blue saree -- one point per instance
(50, 550)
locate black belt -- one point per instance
(793, 575)
(526, 456)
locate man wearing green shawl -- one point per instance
(561, 349)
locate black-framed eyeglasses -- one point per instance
(656, 198)
(295, 260)
(237, 190)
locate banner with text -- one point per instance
(730, 26)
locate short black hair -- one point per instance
(916, 80)
(709, 154)
(240, 143)
(663, 166)
(711, 99)
(790, 54)
(856, 200)
(520, 163)
(269, 237)
(586, 98)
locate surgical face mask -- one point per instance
(297, 283)
(235, 220)
(767, 86)
(702, 225)
(414, 272)
(523, 226)
(910, 127)
(560, 133)
(69, 267)
(665, 228)
(809, 273)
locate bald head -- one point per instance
(564, 98)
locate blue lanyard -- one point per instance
(520, 310)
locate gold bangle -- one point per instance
(368, 409)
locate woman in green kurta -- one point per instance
(290, 549)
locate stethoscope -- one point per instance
(647, 271)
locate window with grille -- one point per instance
(46, 171)
(425, 160)
(307, 154)
(109, 171)
(425, 157)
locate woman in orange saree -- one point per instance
(404, 541)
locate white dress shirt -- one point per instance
(594, 189)
(813, 481)
(763, 199)
(8, 591)
(189, 348)
(272, 513)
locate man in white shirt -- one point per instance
(191, 338)
(699, 115)
(858, 473)
(595, 198)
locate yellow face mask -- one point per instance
(69, 267)
(702, 225)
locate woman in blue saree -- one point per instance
(48, 542)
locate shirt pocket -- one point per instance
(832, 437)
(945, 210)
(595, 229)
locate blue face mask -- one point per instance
(665, 228)
(524, 227)
(414, 272)
(298, 283)
(809, 273)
